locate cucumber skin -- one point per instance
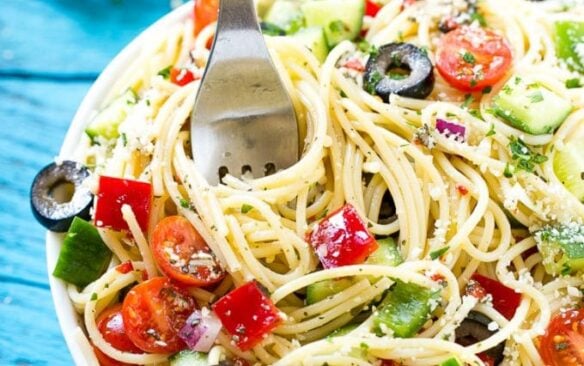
(319, 291)
(324, 12)
(114, 113)
(506, 106)
(387, 253)
(567, 35)
(558, 242)
(314, 39)
(405, 309)
(569, 168)
(189, 358)
(84, 256)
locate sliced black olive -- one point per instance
(475, 328)
(58, 195)
(387, 212)
(399, 68)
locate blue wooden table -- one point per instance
(50, 53)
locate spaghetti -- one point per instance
(457, 210)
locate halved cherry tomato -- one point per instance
(247, 314)
(111, 326)
(154, 312)
(472, 58)
(487, 360)
(372, 8)
(181, 76)
(205, 13)
(125, 267)
(505, 300)
(342, 239)
(182, 254)
(115, 192)
(563, 342)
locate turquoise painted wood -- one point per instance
(50, 53)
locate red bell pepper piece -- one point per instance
(372, 8)
(505, 300)
(113, 193)
(342, 239)
(181, 76)
(247, 314)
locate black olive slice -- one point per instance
(475, 328)
(399, 68)
(57, 195)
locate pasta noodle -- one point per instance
(359, 150)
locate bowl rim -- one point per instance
(69, 320)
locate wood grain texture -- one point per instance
(50, 52)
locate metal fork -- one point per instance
(243, 119)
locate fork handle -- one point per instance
(238, 33)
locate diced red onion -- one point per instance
(200, 330)
(450, 129)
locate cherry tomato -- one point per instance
(111, 326)
(487, 360)
(205, 13)
(154, 312)
(115, 192)
(471, 58)
(247, 314)
(505, 300)
(125, 267)
(563, 342)
(342, 239)
(182, 254)
(372, 8)
(181, 76)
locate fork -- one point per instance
(243, 119)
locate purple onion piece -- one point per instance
(450, 129)
(200, 330)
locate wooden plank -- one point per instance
(29, 334)
(70, 36)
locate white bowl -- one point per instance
(69, 320)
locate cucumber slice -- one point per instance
(404, 310)
(340, 19)
(84, 256)
(569, 167)
(287, 15)
(531, 108)
(570, 43)
(321, 290)
(387, 253)
(313, 38)
(452, 361)
(344, 330)
(106, 123)
(189, 358)
(562, 248)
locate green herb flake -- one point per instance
(479, 18)
(322, 214)
(337, 26)
(566, 270)
(509, 170)
(491, 131)
(438, 253)
(467, 101)
(372, 81)
(124, 139)
(468, 58)
(93, 296)
(165, 73)
(535, 97)
(487, 89)
(524, 158)
(184, 203)
(245, 208)
(573, 83)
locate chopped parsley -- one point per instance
(245, 208)
(165, 73)
(467, 101)
(524, 158)
(487, 89)
(369, 48)
(93, 296)
(439, 252)
(491, 131)
(468, 58)
(573, 83)
(184, 203)
(372, 81)
(476, 16)
(124, 139)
